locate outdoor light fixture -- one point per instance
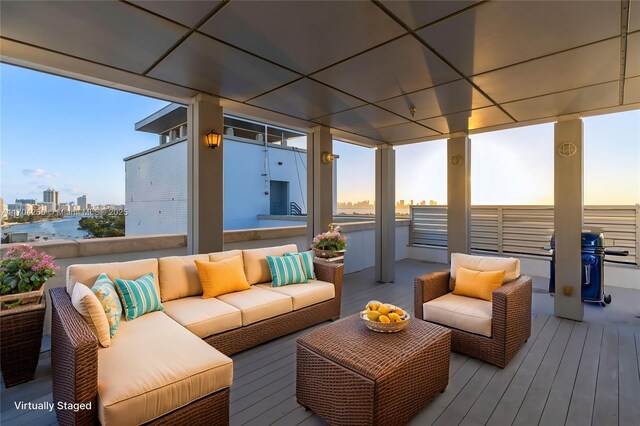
(213, 139)
(327, 157)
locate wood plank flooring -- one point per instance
(572, 373)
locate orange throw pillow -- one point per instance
(477, 284)
(225, 276)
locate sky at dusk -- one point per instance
(72, 136)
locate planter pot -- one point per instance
(327, 254)
(21, 337)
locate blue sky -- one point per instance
(57, 132)
(61, 133)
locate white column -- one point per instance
(205, 187)
(458, 194)
(385, 213)
(319, 182)
(568, 207)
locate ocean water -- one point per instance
(59, 229)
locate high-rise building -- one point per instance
(2, 208)
(25, 200)
(82, 202)
(50, 196)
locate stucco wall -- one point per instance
(156, 185)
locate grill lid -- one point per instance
(592, 237)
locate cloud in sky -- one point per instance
(39, 173)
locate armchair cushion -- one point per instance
(510, 265)
(478, 284)
(461, 312)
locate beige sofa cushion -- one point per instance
(258, 304)
(510, 265)
(255, 262)
(154, 366)
(203, 317)
(88, 273)
(222, 255)
(304, 295)
(463, 313)
(179, 277)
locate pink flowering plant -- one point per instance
(25, 269)
(331, 240)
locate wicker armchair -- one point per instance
(510, 321)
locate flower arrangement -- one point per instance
(24, 269)
(330, 241)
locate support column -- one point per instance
(458, 194)
(319, 182)
(385, 214)
(568, 209)
(205, 184)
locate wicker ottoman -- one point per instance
(350, 375)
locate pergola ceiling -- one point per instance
(356, 66)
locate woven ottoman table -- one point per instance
(350, 375)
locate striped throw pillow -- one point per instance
(306, 258)
(138, 296)
(286, 270)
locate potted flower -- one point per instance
(329, 244)
(23, 272)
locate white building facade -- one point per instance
(268, 178)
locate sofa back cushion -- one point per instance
(255, 262)
(179, 276)
(88, 273)
(223, 255)
(510, 265)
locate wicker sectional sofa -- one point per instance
(172, 367)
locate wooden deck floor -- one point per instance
(573, 373)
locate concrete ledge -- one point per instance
(65, 249)
(264, 233)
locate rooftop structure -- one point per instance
(377, 74)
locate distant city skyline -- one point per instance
(90, 129)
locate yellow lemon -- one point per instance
(385, 319)
(373, 305)
(399, 311)
(384, 309)
(373, 315)
(394, 317)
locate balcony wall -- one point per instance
(360, 247)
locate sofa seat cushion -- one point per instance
(154, 366)
(203, 317)
(461, 312)
(304, 295)
(257, 304)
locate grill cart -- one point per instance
(593, 254)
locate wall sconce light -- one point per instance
(213, 139)
(327, 157)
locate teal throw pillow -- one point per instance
(139, 296)
(306, 258)
(106, 293)
(286, 270)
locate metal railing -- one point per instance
(526, 229)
